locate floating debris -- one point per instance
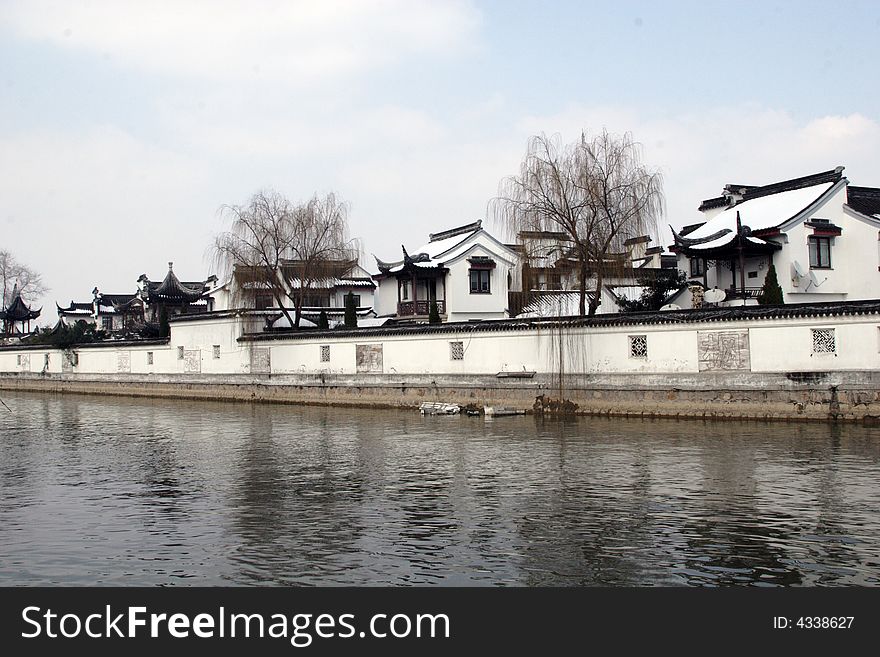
(545, 405)
(439, 408)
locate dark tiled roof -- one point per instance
(171, 289)
(690, 228)
(117, 299)
(17, 311)
(452, 232)
(863, 199)
(74, 306)
(748, 192)
(709, 203)
(543, 235)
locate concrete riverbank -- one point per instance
(830, 396)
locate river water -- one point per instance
(156, 492)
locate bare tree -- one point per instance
(12, 273)
(595, 193)
(320, 249)
(284, 249)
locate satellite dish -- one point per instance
(714, 295)
(671, 306)
(797, 271)
(814, 281)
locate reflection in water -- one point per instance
(114, 491)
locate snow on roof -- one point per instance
(370, 322)
(553, 304)
(283, 322)
(436, 249)
(760, 213)
(628, 292)
(329, 283)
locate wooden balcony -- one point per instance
(417, 308)
(737, 293)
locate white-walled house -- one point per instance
(327, 294)
(550, 280)
(822, 236)
(466, 270)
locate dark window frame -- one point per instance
(476, 280)
(698, 266)
(815, 251)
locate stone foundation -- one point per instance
(841, 396)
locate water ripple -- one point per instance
(158, 492)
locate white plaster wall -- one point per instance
(786, 347)
(202, 335)
(855, 258)
(385, 297)
(338, 299)
(461, 305)
(775, 346)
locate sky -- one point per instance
(126, 126)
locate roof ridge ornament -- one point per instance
(693, 241)
(459, 230)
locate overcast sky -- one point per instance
(124, 126)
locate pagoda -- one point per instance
(16, 315)
(174, 296)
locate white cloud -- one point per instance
(287, 42)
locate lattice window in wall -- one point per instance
(456, 350)
(180, 353)
(216, 350)
(325, 353)
(638, 346)
(823, 341)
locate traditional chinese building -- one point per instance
(465, 270)
(109, 312)
(17, 315)
(820, 234)
(172, 295)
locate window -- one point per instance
(357, 300)
(263, 300)
(698, 266)
(180, 353)
(216, 350)
(823, 341)
(325, 353)
(820, 252)
(404, 290)
(107, 323)
(18, 360)
(480, 281)
(149, 358)
(456, 351)
(638, 346)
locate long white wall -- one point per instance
(210, 346)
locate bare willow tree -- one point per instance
(13, 273)
(594, 194)
(284, 249)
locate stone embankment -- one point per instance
(852, 397)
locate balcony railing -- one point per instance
(413, 308)
(737, 293)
